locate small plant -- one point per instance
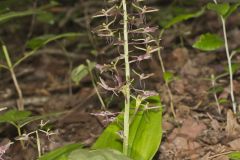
(19, 119)
(210, 42)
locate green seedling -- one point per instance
(34, 44)
(168, 23)
(215, 90)
(211, 42)
(19, 119)
(78, 73)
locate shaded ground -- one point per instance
(198, 132)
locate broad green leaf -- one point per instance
(40, 41)
(183, 17)
(110, 137)
(61, 153)
(149, 132)
(234, 156)
(81, 71)
(208, 42)
(100, 154)
(168, 77)
(232, 9)
(10, 15)
(14, 116)
(145, 131)
(221, 9)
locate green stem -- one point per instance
(229, 59)
(20, 134)
(164, 71)
(127, 77)
(95, 86)
(38, 144)
(234, 106)
(20, 103)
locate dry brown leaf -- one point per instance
(235, 144)
(232, 127)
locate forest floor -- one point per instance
(199, 131)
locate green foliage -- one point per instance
(208, 42)
(232, 9)
(221, 9)
(168, 77)
(81, 71)
(100, 154)
(14, 117)
(235, 67)
(21, 118)
(110, 138)
(40, 41)
(61, 153)
(215, 89)
(234, 156)
(10, 15)
(145, 130)
(46, 17)
(183, 17)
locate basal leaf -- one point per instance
(183, 17)
(100, 154)
(221, 9)
(110, 138)
(149, 132)
(234, 156)
(208, 42)
(61, 153)
(145, 131)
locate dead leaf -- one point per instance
(235, 144)
(232, 127)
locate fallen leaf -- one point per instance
(232, 127)
(235, 144)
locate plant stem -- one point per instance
(20, 134)
(38, 144)
(95, 86)
(213, 80)
(229, 59)
(127, 77)
(20, 102)
(234, 106)
(164, 70)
